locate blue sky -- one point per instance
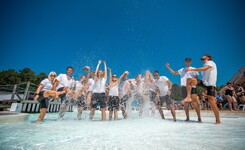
(133, 35)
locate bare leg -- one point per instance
(124, 113)
(115, 114)
(53, 94)
(160, 111)
(214, 107)
(242, 99)
(221, 107)
(79, 113)
(228, 97)
(92, 113)
(173, 111)
(234, 102)
(103, 114)
(89, 100)
(62, 110)
(190, 82)
(42, 114)
(196, 105)
(186, 107)
(110, 115)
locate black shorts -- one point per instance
(113, 103)
(123, 101)
(44, 101)
(98, 98)
(152, 96)
(210, 89)
(62, 96)
(81, 101)
(184, 91)
(163, 99)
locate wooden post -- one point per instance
(26, 90)
(14, 91)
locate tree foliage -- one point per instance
(13, 77)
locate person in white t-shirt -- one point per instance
(90, 76)
(44, 91)
(184, 76)
(113, 105)
(163, 92)
(137, 87)
(99, 96)
(64, 82)
(80, 92)
(125, 92)
(209, 78)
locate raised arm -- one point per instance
(87, 69)
(126, 72)
(105, 69)
(97, 68)
(110, 74)
(173, 72)
(151, 77)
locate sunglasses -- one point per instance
(203, 58)
(52, 75)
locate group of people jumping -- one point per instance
(92, 90)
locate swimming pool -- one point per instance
(133, 133)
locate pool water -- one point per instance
(148, 132)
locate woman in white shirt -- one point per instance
(90, 76)
(113, 105)
(80, 95)
(98, 96)
(44, 91)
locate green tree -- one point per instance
(27, 74)
(40, 77)
(176, 92)
(9, 77)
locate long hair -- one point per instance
(51, 73)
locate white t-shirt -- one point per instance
(122, 87)
(162, 84)
(77, 86)
(47, 85)
(185, 75)
(139, 87)
(65, 81)
(99, 86)
(91, 84)
(152, 86)
(113, 91)
(209, 77)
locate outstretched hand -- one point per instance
(86, 68)
(167, 65)
(126, 72)
(100, 61)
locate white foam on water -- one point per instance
(132, 133)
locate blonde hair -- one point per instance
(51, 73)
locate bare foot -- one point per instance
(187, 119)
(199, 121)
(186, 100)
(217, 122)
